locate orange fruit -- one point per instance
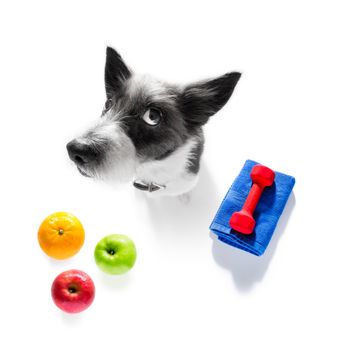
(61, 235)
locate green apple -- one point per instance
(115, 254)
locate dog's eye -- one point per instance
(152, 116)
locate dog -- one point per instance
(150, 131)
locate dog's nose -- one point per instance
(81, 153)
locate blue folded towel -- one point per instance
(266, 214)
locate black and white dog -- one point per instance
(150, 131)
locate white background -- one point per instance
(290, 111)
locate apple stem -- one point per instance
(72, 290)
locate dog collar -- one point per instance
(149, 187)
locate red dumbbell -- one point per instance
(243, 221)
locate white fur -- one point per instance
(171, 172)
(154, 87)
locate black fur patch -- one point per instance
(196, 153)
(151, 142)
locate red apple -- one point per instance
(73, 291)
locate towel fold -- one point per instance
(266, 214)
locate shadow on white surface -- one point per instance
(114, 283)
(71, 319)
(63, 265)
(248, 269)
(176, 216)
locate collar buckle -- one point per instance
(149, 187)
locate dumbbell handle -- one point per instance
(253, 198)
(243, 220)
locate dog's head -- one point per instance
(144, 119)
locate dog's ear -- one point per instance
(116, 72)
(199, 101)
